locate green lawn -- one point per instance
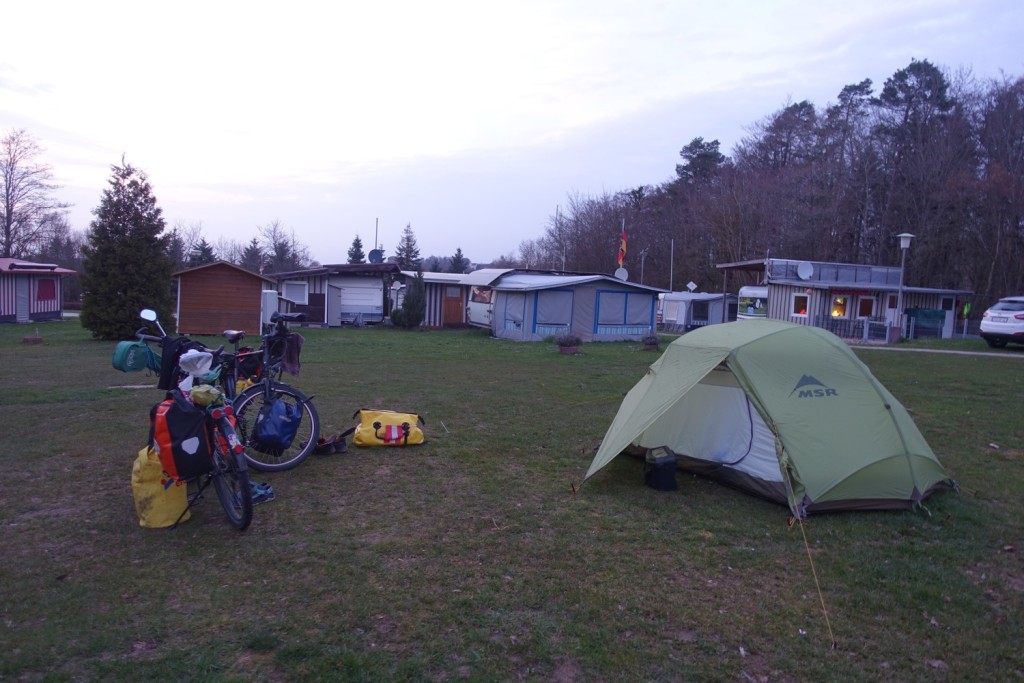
(477, 556)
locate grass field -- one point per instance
(477, 556)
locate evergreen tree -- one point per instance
(414, 306)
(177, 250)
(125, 267)
(201, 254)
(407, 253)
(459, 262)
(355, 252)
(252, 256)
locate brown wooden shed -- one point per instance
(220, 296)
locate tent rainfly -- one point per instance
(783, 411)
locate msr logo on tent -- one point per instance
(809, 387)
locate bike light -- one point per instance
(217, 413)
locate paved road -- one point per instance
(1017, 355)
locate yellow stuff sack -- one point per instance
(159, 500)
(388, 428)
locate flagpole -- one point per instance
(671, 258)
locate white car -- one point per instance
(1004, 322)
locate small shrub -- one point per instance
(568, 340)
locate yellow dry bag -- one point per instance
(159, 499)
(388, 428)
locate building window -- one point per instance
(799, 309)
(297, 291)
(46, 290)
(839, 304)
(866, 307)
(700, 311)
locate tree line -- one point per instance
(935, 155)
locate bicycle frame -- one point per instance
(229, 472)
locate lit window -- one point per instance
(839, 306)
(800, 305)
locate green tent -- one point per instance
(784, 411)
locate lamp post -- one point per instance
(905, 238)
(643, 257)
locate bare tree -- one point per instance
(282, 249)
(182, 240)
(229, 250)
(27, 195)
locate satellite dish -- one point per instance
(691, 285)
(804, 270)
(621, 274)
(376, 256)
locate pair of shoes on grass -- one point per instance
(261, 493)
(326, 446)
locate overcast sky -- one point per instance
(470, 120)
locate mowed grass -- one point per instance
(477, 556)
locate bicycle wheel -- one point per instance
(248, 405)
(231, 480)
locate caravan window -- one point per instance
(699, 312)
(554, 308)
(46, 289)
(839, 306)
(799, 308)
(297, 291)
(480, 295)
(866, 307)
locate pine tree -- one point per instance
(126, 267)
(177, 251)
(459, 262)
(201, 254)
(355, 252)
(252, 256)
(407, 253)
(414, 306)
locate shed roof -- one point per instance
(448, 278)
(530, 281)
(831, 275)
(341, 269)
(222, 263)
(485, 276)
(17, 265)
(693, 296)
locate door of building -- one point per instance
(453, 308)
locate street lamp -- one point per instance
(905, 238)
(643, 257)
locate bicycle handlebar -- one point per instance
(141, 335)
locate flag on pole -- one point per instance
(622, 246)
